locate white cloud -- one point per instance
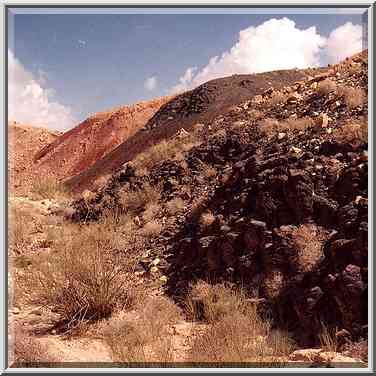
(275, 44)
(344, 41)
(151, 83)
(184, 81)
(29, 102)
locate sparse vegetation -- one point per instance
(207, 219)
(353, 132)
(146, 339)
(236, 333)
(81, 288)
(277, 98)
(47, 188)
(271, 127)
(27, 350)
(326, 86)
(353, 97)
(309, 242)
(175, 205)
(152, 228)
(328, 339)
(19, 222)
(135, 201)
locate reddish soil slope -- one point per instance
(24, 141)
(82, 146)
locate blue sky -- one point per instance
(94, 62)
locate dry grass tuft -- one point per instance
(27, 350)
(152, 229)
(138, 200)
(328, 339)
(270, 127)
(209, 172)
(277, 98)
(80, 281)
(353, 97)
(212, 302)
(47, 188)
(207, 219)
(147, 338)
(325, 87)
(236, 333)
(175, 205)
(19, 227)
(352, 133)
(309, 242)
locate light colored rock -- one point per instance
(163, 279)
(16, 310)
(320, 356)
(305, 355)
(153, 269)
(295, 150)
(322, 120)
(281, 135)
(156, 261)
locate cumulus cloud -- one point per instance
(275, 44)
(151, 83)
(184, 81)
(344, 41)
(29, 102)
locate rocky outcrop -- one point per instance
(289, 208)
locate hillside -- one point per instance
(233, 228)
(274, 197)
(78, 149)
(200, 105)
(24, 141)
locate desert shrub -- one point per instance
(146, 338)
(152, 229)
(207, 219)
(151, 212)
(27, 351)
(326, 86)
(277, 98)
(126, 341)
(155, 154)
(328, 339)
(80, 281)
(215, 302)
(352, 96)
(271, 127)
(299, 124)
(157, 314)
(208, 171)
(19, 227)
(236, 333)
(47, 188)
(352, 133)
(135, 201)
(175, 205)
(309, 242)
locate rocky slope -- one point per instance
(24, 141)
(285, 203)
(200, 105)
